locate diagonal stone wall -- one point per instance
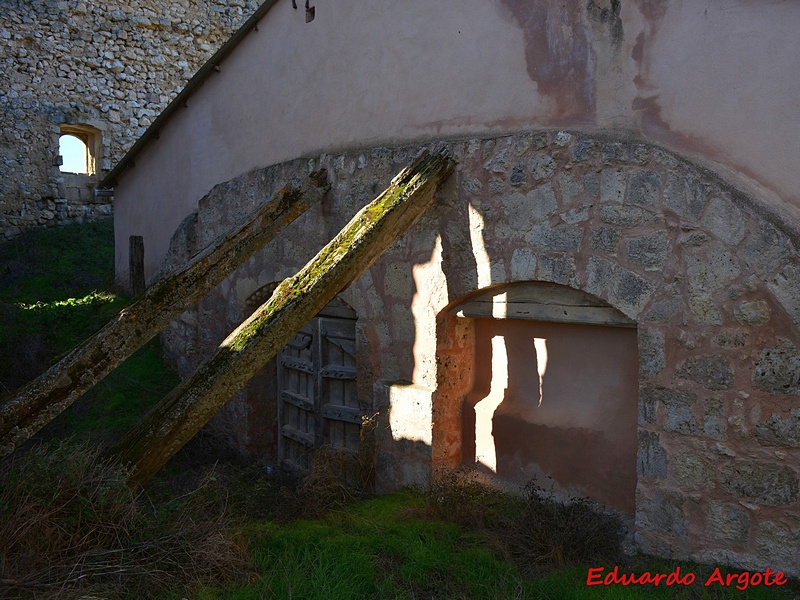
(709, 276)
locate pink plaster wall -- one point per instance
(579, 435)
(719, 82)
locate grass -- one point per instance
(394, 547)
(69, 526)
(57, 289)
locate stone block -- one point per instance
(766, 250)
(692, 471)
(631, 292)
(648, 406)
(663, 513)
(605, 239)
(778, 545)
(753, 313)
(651, 460)
(574, 216)
(623, 152)
(715, 427)
(711, 270)
(650, 251)
(613, 184)
(645, 189)
(541, 166)
(778, 369)
(771, 484)
(786, 287)
(777, 431)
(584, 150)
(523, 264)
(518, 175)
(558, 269)
(724, 219)
(679, 416)
(712, 372)
(591, 185)
(684, 195)
(663, 310)
(705, 309)
(570, 189)
(562, 238)
(731, 338)
(522, 210)
(624, 290)
(727, 523)
(471, 186)
(651, 352)
(625, 215)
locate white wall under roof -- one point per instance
(717, 81)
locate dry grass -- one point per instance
(338, 477)
(533, 530)
(69, 526)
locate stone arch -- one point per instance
(553, 396)
(710, 276)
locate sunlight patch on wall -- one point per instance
(484, 410)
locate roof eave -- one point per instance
(211, 66)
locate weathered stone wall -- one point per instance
(113, 65)
(710, 277)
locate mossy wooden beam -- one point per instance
(32, 407)
(294, 302)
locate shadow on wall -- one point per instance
(556, 403)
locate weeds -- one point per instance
(337, 476)
(536, 532)
(69, 523)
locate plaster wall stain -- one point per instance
(653, 110)
(558, 55)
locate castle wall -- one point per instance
(709, 278)
(113, 65)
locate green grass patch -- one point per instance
(118, 402)
(391, 547)
(56, 290)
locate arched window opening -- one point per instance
(74, 154)
(551, 394)
(78, 149)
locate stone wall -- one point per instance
(709, 276)
(112, 65)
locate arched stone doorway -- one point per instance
(552, 390)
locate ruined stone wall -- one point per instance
(113, 65)
(710, 277)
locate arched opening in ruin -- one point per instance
(78, 149)
(550, 392)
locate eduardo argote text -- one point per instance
(741, 581)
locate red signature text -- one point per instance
(741, 581)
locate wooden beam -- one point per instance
(294, 302)
(32, 407)
(136, 264)
(540, 301)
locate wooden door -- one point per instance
(317, 400)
